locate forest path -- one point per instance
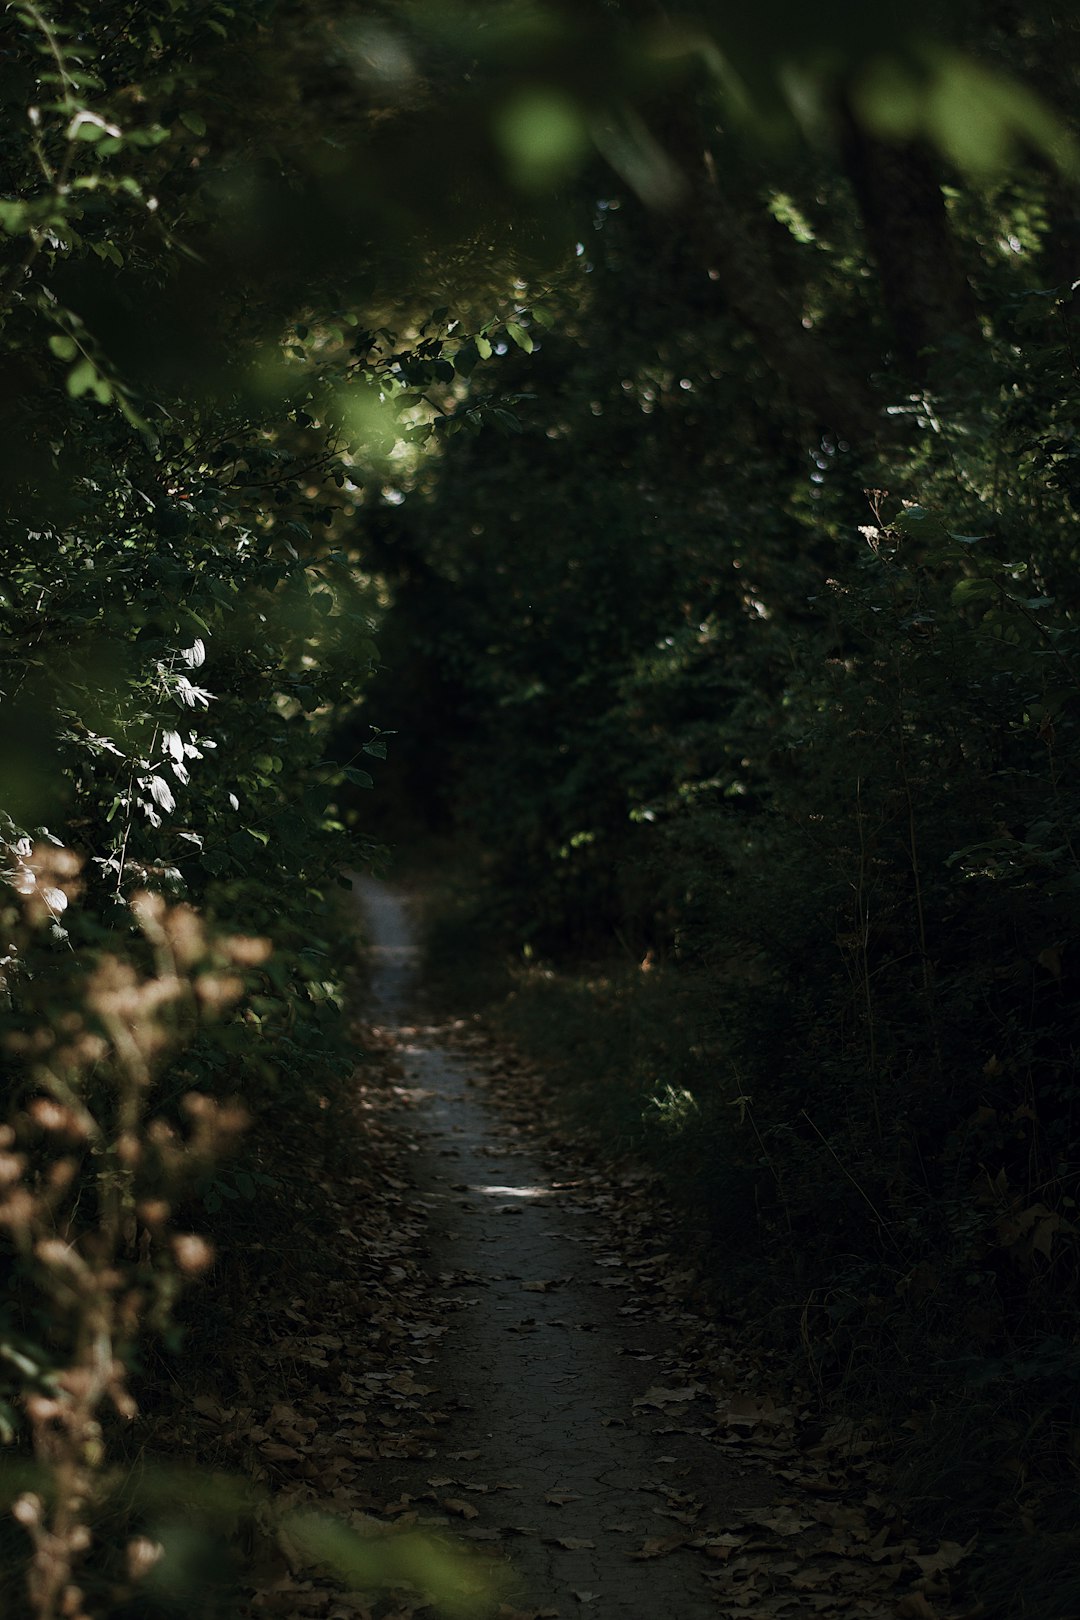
(547, 1349)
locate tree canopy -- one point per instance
(641, 444)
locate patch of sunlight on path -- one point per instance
(542, 1362)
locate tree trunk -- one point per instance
(923, 286)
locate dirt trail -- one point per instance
(541, 1381)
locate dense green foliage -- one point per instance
(756, 662)
(590, 395)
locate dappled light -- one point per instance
(515, 1192)
(539, 811)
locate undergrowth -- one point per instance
(878, 1302)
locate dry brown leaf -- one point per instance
(744, 1411)
(368, 1526)
(785, 1524)
(571, 1543)
(915, 1607)
(456, 1505)
(560, 1498)
(721, 1546)
(659, 1397)
(947, 1556)
(209, 1406)
(660, 1546)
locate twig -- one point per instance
(865, 1196)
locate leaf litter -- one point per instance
(832, 1543)
(332, 1378)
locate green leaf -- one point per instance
(194, 121)
(82, 378)
(920, 524)
(973, 590)
(543, 135)
(360, 1561)
(357, 778)
(520, 336)
(14, 216)
(483, 346)
(64, 347)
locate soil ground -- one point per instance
(495, 1358)
(550, 1350)
(608, 1448)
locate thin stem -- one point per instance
(867, 1200)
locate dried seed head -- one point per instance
(128, 1149)
(125, 1404)
(184, 932)
(81, 1054)
(78, 1381)
(62, 1174)
(29, 1043)
(193, 1253)
(27, 1510)
(142, 1555)
(17, 1209)
(12, 1166)
(54, 1252)
(47, 878)
(246, 951)
(112, 990)
(42, 1408)
(149, 909)
(232, 1118)
(50, 1115)
(217, 991)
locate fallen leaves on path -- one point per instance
(831, 1544)
(660, 1397)
(327, 1382)
(333, 1381)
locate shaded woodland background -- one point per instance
(654, 437)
